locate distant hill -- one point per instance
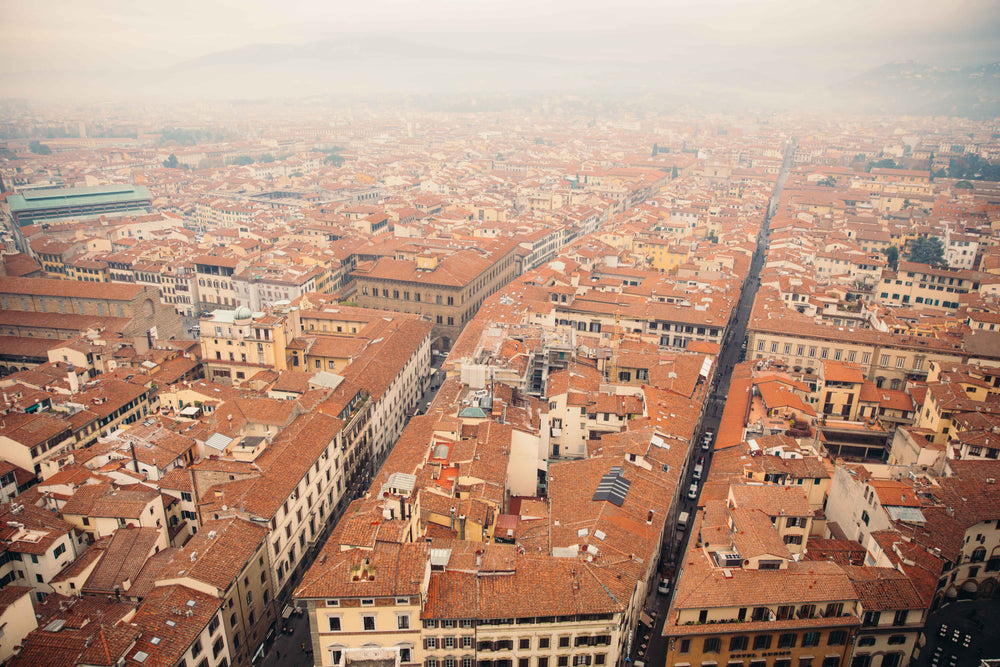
(915, 89)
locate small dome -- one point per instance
(243, 313)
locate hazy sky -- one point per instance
(111, 34)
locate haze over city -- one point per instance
(792, 51)
(500, 334)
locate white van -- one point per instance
(698, 469)
(682, 521)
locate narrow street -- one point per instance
(652, 651)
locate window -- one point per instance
(897, 639)
(892, 659)
(871, 618)
(786, 640)
(402, 621)
(762, 642)
(405, 654)
(810, 639)
(866, 641)
(543, 642)
(369, 622)
(837, 638)
(739, 643)
(524, 643)
(900, 617)
(831, 661)
(564, 642)
(712, 645)
(685, 645)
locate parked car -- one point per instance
(693, 491)
(663, 586)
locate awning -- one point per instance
(645, 619)
(970, 586)
(218, 441)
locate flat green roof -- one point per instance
(39, 200)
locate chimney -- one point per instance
(461, 527)
(402, 508)
(74, 382)
(453, 518)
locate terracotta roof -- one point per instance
(68, 288)
(217, 553)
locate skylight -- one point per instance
(613, 487)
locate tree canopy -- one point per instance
(170, 162)
(927, 251)
(886, 163)
(892, 256)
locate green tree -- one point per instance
(170, 162)
(963, 185)
(886, 163)
(242, 159)
(927, 251)
(892, 256)
(333, 159)
(673, 172)
(38, 148)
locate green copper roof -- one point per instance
(91, 196)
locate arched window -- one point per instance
(978, 555)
